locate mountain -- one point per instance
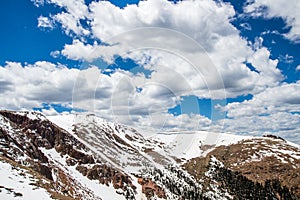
(81, 156)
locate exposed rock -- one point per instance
(45, 171)
(149, 188)
(71, 161)
(106, 174)
(87, 159)
(82, 169)
(274, 137)
(121, 141)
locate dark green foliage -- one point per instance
(242, 188)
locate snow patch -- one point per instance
(17, 183)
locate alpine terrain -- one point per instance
(81, 156)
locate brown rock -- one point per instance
(83, 170)
(149, 188)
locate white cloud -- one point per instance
(70, 24)
(275, 110)
(269, 74)
(289, 11)
(203, 36)
(38, 3)
(282, 98)
(33, 84)
(170, 122)
(79, 51)
(298, 68)
(50, 112)
(75, 10)
(45, 22)
(113, 97)
(55, 54)
(283, 124)
(205, 21)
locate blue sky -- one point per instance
(246, 69)
(21, 39)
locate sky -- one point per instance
(225, 66)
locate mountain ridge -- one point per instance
(94, 159)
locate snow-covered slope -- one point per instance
(19, 183)
(184, 144)
(81, 156)
(66, 163)
(119, 145)
(191, 144)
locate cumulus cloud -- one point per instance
(275, 110)
(283, 124)
(74, 11)
(33, 84)
(204, 37)
(76, 8)
(45, 22)
(86, 52)
(282, 98)
(269, 74)
(289, 11)
(170, 122)
(113, 97)
(50, 112)
(298, 68)
(70, 24)
(205, 19)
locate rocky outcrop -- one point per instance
(106, 175)
(274, 137)
(149, 188)
(30, 135)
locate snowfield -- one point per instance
(17, 183)
(187, 144)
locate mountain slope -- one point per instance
(260, 168)
(81, 156)
(56, 155)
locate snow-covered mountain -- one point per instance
(81, 156)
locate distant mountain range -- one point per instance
(81, 156)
